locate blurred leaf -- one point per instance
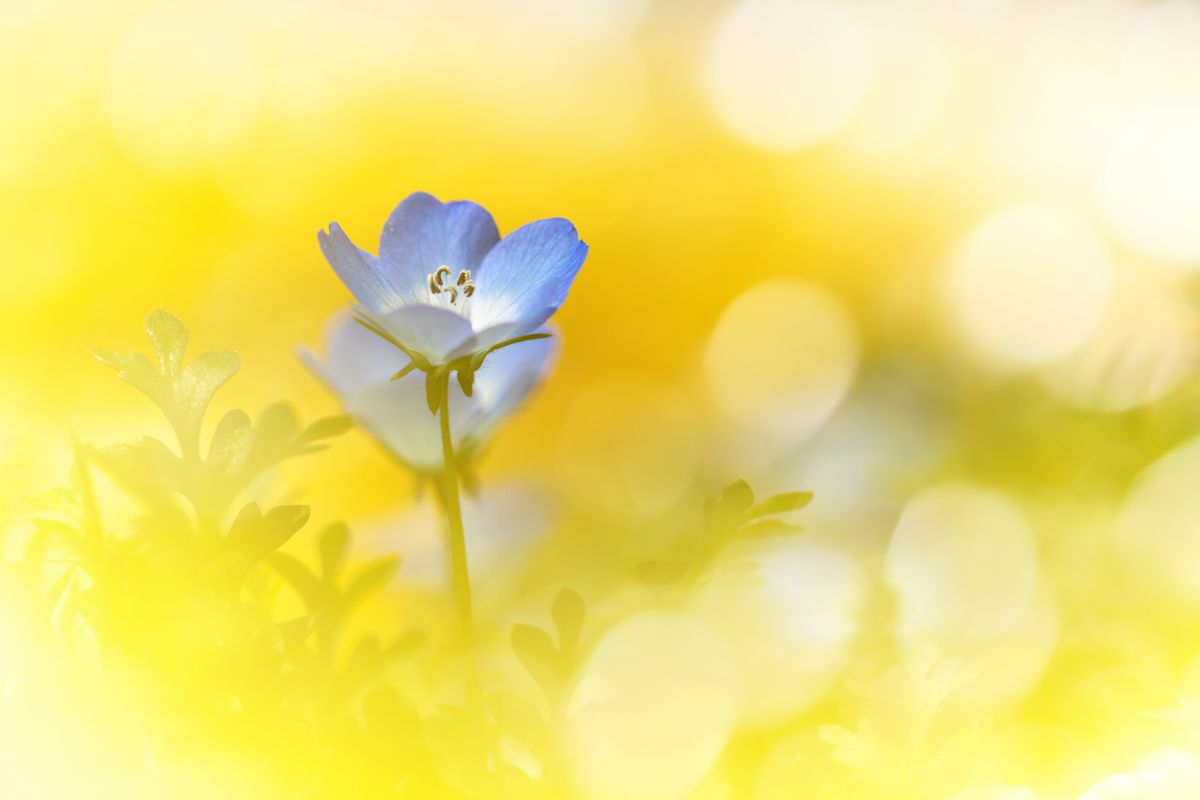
(737, 497)
(61, 500)
(325, 428)
(780, 504)
(231, 442)
(255, 535)
(169, 337)
(568, 612)
(371, 578)
(537, 654)
(300, 578)
(334, 544)
(767, 528)
(182, 393)
(433, 391)
(146, 467)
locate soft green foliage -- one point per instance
(245, 648)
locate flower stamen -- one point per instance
(438, 283)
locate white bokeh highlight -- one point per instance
(1030, 284)
(788, 623)
(653, 707)
(786, 75)
(780, 360)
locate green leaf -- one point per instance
(405, 370)
(229, 449)
(780, 504)
(255, 535)
(325, 428)
(60, 500)
(182, 393)
(478, 359)
(433, 391)
(135, 369)
(371, 578)
(146, 467)
(169, 337)
(535, 649)
(300, 578)
(568, 612)
(768, 528)
(333, 545)
(466, 380)
(737, 497)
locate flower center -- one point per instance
(439, 284)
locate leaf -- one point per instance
(466, 380)
(768, 528)
(780, 504)
(60, 500)
(661, 573)
(433, 391)
(182, 393)
(478, 359)
(256, 535)
(400, 373)
(300, 578)
(568, 612)
(333, 545)
(366, 659)
(737, 497)
(230, 446)
(537, 654)
(169, 337)
(371, 578)
(325, 428)
(147, 467)
(135, 369)
(277, 425)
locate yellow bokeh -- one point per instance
(935, 261)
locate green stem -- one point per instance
(460, 578)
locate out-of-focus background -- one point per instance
(933, 260)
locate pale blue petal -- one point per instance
(506, 379)
(356, 358)
(529, 271)
(359, 270)
(423, 233)
(434, 332)
(395, 414)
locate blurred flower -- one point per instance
(446, 286)
(359, 367)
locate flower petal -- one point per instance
(396, 416)
(423, 233)
(501, 332)
(359, 270)
(434, 332)
(355, 358)
(530, 270)
(506, 379)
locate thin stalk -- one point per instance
(460, 578)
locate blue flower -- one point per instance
(445, 285)
(359, 366)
